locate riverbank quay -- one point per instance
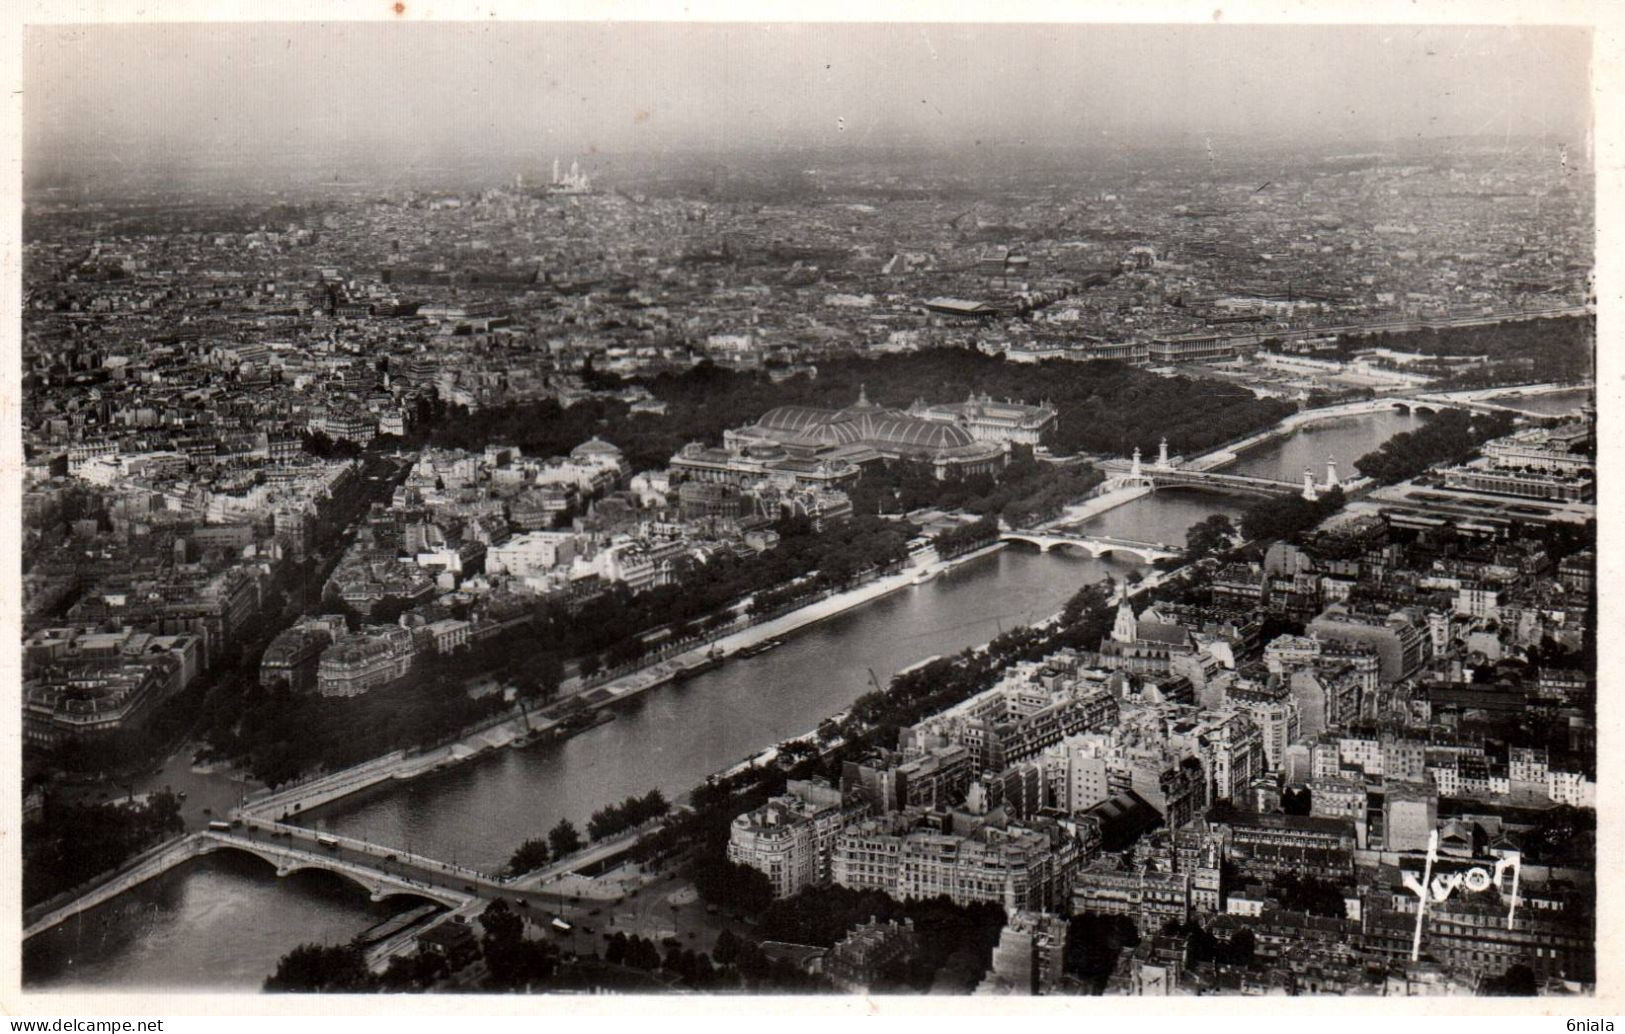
(158, 858)
(1094, 507)
(769, 755)
(531, 723)
(694, 656)
(1230, 452)
(705, 726)
(563, 879)
(731, 644)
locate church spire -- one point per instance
(1125, 629)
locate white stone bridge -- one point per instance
(379, 871)
(380, 878)
(1165, 473)
(1095, 545)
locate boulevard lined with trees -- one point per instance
(1448, 437)
(1102, 406)
(71, 843)
(1514, 352)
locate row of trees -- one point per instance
(528, 857)
(771, 601)
(954, 541)
(630, 813)
(1273, 519)
(958, 939)
(561, 841)
(1024, 492)
(1449, 437)
(517, 963)
(733, 963)
(323, 969)
(701, 833)
(513, 962)
(610, 625)
(279, 735)
(730, 885)
(71, 843)
(637, 952)
(1559, 349)
(564, 839)
(1212, 534)
(1103, 407)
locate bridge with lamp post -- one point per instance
(1165, 473)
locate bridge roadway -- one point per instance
(1434, 403)
(1123, 470)
(1097, 545)
(321, 789)
(1479, 401)
(1200, 471)
(380, 870)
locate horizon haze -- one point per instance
(194, 102)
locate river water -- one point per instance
(223, 923)
(1344, 440)
(1557, 403)
(218, 923)
(673, 738)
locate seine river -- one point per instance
(1556, 403)
(222, 922)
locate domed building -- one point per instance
(595, 452)
(865, 432)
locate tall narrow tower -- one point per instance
(1331, 473)
(1309, 492)
(1162, 454)
(1134, 470)
(1125, 629)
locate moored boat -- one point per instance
(757, 649)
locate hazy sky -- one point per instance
(194, 92)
